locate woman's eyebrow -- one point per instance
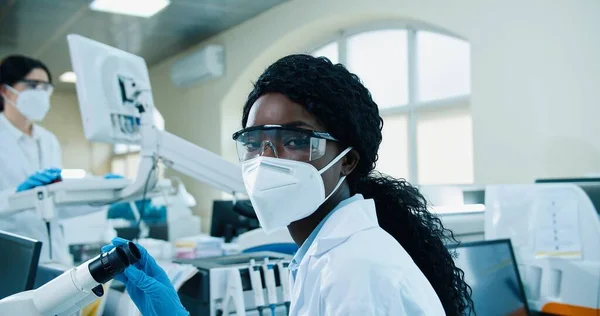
(298, 124)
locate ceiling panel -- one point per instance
(237, 5)
(38, 28)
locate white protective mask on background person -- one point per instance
(33, 104)
(283, 191)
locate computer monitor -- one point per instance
(18, 266)
(491, 271)
(228, 223)
(111, 85)
(568, 180)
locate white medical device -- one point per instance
(75, 288)
(116, 102)
(257, 286)
(229, 285)
(269, 273)
(555, 231)
(234, 293)
(284, 273)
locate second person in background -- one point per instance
(30, 155)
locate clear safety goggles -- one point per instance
(34, 85)
(281, 142)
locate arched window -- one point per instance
(421, 81)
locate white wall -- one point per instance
(64, 120)
(535, 78)
(536, 101)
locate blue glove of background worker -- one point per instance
(113, 176)
(148, 285)
(39, 179)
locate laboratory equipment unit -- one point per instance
(243, 284)
(113, 89)
(555, 232)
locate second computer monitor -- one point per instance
(228, 223)
(491, 271)
(20, 258)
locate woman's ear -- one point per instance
(349, 162)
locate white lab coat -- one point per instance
(354, 267)
(21, 156)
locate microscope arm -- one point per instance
(199, 163)
(181, 155)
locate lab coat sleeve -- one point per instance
(57, 152)
(369, 294)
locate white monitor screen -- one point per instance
(112, 85)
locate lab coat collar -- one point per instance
(347, 221)
(17, 133)
(311, 238)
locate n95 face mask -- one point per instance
(283, 191)
(33, 104)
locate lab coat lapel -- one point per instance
(46, 154)
(297, 285)
(344, 223)
(28, 164)
(24, 162)
(9, 146)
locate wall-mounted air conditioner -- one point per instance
(206, 64)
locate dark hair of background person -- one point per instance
(339, 101)
(14, 68)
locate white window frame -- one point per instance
(413, 107)
(131, 149)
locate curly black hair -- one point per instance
(339, 101)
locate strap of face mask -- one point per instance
(11, 89)
(336, 159)
(336, 187)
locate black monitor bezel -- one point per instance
(514, 260)
(33, 244)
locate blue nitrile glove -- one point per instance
(40, 178)
(113, 176)
(148, 285)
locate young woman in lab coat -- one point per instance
(30, 155)
(368, 245)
